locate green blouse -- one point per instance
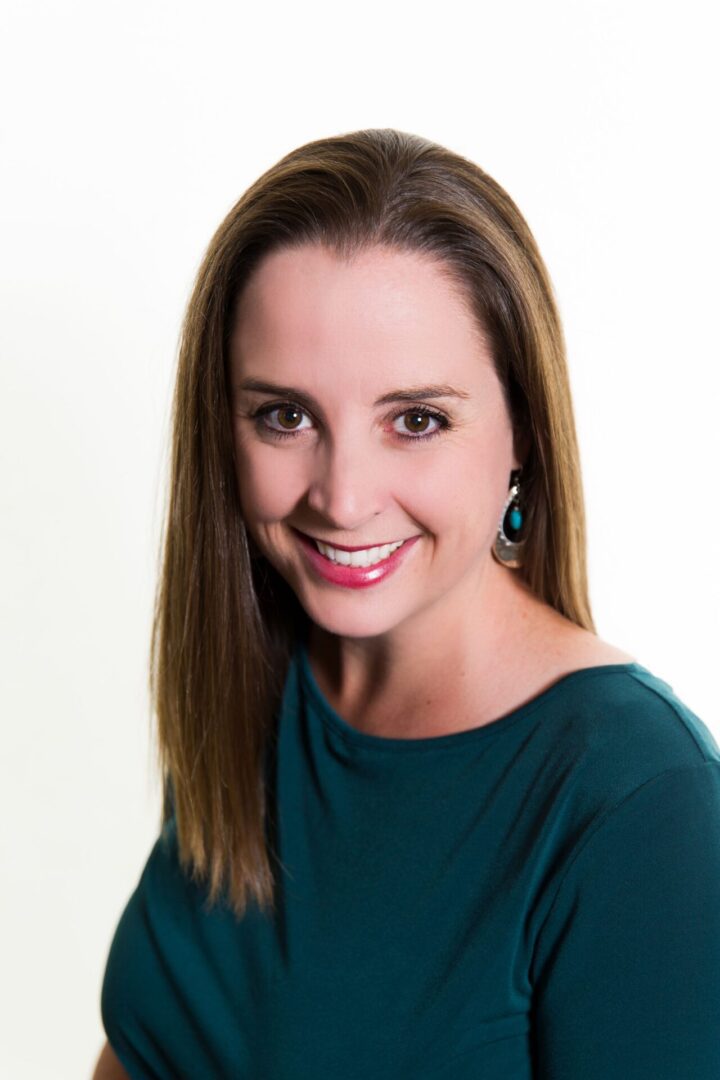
(537, 897)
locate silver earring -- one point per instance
(508, 549)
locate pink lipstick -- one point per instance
(352, 577)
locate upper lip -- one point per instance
(345, 547)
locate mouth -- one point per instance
(342, 555)
(345, 547)
(354, 567)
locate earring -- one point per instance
(507, 549)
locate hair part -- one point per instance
(225, 622)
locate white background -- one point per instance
(128, 130)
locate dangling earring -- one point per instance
(507, 549)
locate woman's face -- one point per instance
(330, 460)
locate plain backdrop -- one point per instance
(128, 130)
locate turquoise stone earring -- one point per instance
(508, 548)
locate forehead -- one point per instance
(306, 306)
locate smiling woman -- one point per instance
(419, 819)
(348, 474)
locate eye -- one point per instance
(288, 414)
(419, 415)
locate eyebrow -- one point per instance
(412, 393)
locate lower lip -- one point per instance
(353, 577)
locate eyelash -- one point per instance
(422, 410)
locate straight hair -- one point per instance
(225, 623)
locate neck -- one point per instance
(448, 655)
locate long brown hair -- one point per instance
(225, 622)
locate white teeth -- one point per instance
(366, 557)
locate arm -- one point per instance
(108, 1066)
(626, 972)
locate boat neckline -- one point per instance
(350, 734)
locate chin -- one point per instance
(330, 616)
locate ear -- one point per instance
(521, 448)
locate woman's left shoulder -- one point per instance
(607, 716)
(628, 713)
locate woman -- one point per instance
(420, 820)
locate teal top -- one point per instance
(536, 897)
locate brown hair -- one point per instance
(225, 622)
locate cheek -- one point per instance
(460, 493)
(268, 486)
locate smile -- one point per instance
(360, 557)
(357, 569)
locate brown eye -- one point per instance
(418, 424)
(288, 416)
(289, 411)
(415, 422)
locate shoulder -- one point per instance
(659, 698)
(615, 702)
(616, 727)
(629, 701)
(608, 724)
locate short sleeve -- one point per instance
(626, 970)
(132, 981)
(165, 1006)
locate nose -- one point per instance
(346, 487)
